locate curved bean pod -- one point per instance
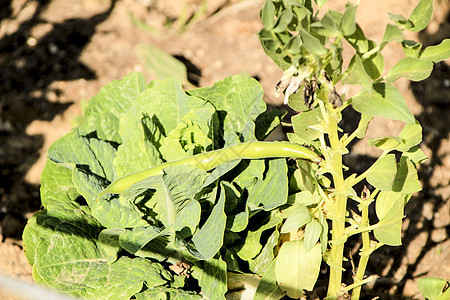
(212, 159)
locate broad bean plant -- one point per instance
(161, 193)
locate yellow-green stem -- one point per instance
(338, 223)
(364, 254)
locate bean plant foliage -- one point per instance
(108, 231)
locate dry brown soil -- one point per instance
(56, 54)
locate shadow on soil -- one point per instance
(28, 68)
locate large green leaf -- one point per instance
(69, 260)
(437, 53)
(431, 287)
(357, 74)
(421, 15)
(268, 288)
(73, 149)
(389, 228)
(272, 191)
(382, 173)
(238, 100)
(312, 44)
(139, 149)
(383, 100)
(313, 231)
(252, 244)
(267, 14)
(306, 124)
(212, 278)
(411, 68)
(299, 216)
(297, 269)
(104, 109)
(406, 180)
(348, 24)
(209, 238)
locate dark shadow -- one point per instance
(28, 68)
(193, 72)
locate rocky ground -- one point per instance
(56, 54)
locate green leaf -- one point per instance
(268, 288)
(260, 264)
(240, 99)
(312, 44)
(411, 68)
(272, 47)
(304, 198)
(79, 267)
(411, 136)
(385, 143)
(384, 101)
(298, 216)
(109, 240)
(437, 53)
(383, 172)
(103, 111)
(294, 44)
(356, 73)
(406, 180)
(385, 201)
(320, 3)
(121, 212)
(363, 124)
(392, 33)
(252, 246)
(313, 231)
(296, 269)
(411, 48)
(164, 102)
(272, 191)
(283, 20)
(416, 155)
(431, 287)
(421, 15)
(401, 21)
(212, 278)
(165, 293)
(136, 238)
(209, 238)
(138, 151)
(74, 149)
(305, 124)
(173, 199)
(330, 23)
(348, 24)
(57, 189)
(374, 65)
(389, 230)
(190, 137)
(161, 64)
(267, 14)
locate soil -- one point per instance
(56, 54)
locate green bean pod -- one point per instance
(212, 159)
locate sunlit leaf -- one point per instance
(410, 68)
(296, 269)
(382, 173)
(384, 101)
(421, 15)
(437, 53)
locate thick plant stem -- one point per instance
(338, 223)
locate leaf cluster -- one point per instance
(175, 234)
